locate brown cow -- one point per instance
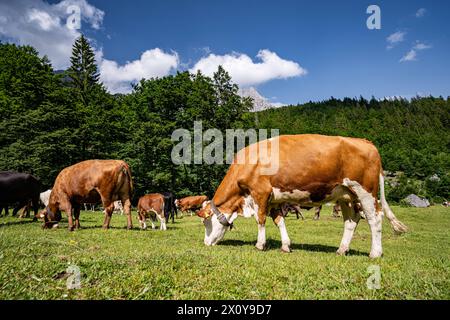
(89, 181)
(190, 203)
(306, 169)
(151, 205)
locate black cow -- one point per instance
(170, 209)
(19, 189)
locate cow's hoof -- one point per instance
(260, 246)
(375, 254)
(130, 228)
(285, 248)
(342, 251)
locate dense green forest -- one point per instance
(50, 120)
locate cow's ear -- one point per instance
(204, 213)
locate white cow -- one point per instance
(118, 207)
(45, 196)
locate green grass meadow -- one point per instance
(175, 264)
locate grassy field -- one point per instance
(153, 264)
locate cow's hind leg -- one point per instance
(126, 203)
(35, 204)
(374, 219)
(6, 207)
(278, 219)
(351, 219)
(108, 213)
(76, 214)
(19, 206)
(162, 220)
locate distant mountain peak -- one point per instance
(259, 102)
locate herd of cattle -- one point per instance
(312, 170)
(87, 183)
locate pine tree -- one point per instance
(83, 70)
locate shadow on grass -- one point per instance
(12, 223)
(273, 244)
(100, 227)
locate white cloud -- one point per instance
(245, 72)
(421, 12)
(152, 63)
(421, 46)
(409, 56)
(43, 26)
(395, 38)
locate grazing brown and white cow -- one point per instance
(151, 205)
(312, 170)
(190, 203)
(90, 181)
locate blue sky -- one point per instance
(323, 48)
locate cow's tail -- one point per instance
(166, 208)
(126, 170)
(396, 224)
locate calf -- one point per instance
(152, 205)
(89, 181)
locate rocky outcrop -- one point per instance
(416, 201)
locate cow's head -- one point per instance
(216, 223)
(51, 219)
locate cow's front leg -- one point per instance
(260, 214)
(278, 219)
(152, 220)
(261, 221)
(351, 219)
(317, 215)
(68, 209)
(261, 242)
